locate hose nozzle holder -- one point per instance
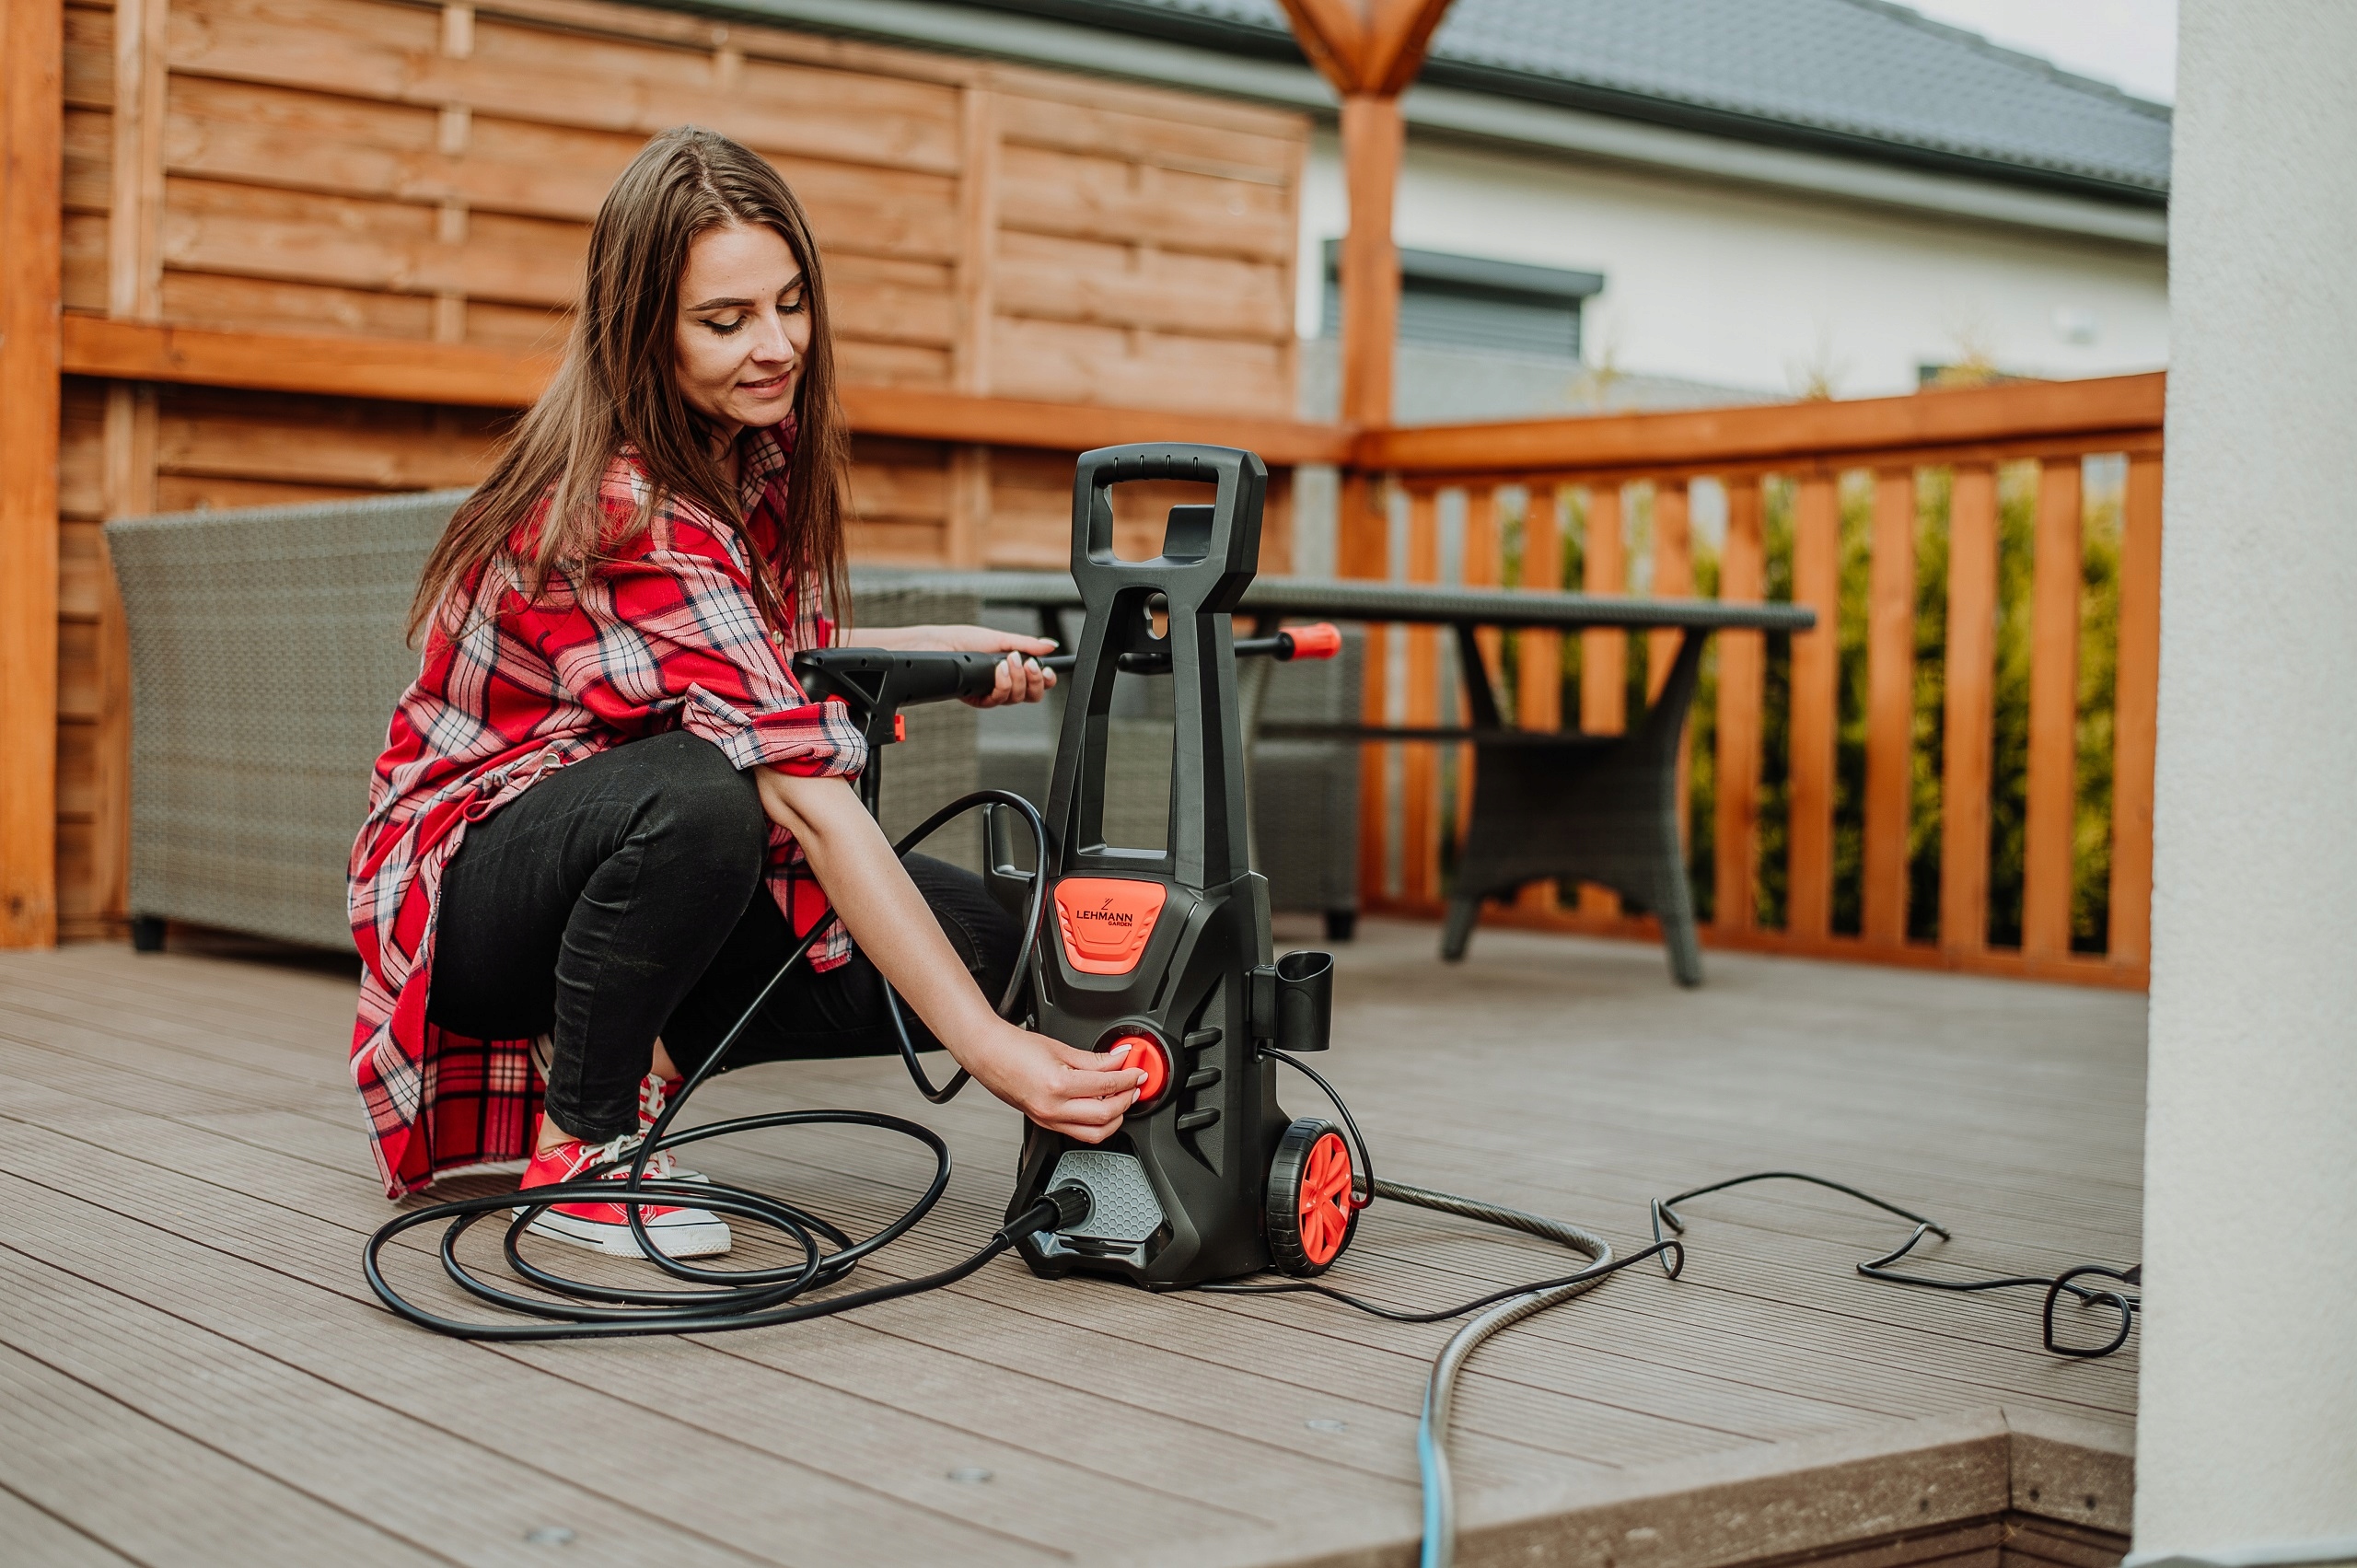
(1292, 1001)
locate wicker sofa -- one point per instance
(266, 655)
(267, 652)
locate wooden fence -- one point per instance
(317, 248)
(308, 248)
(1954, 768)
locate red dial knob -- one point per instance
(1146, 1052)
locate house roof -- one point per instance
(1864, 77)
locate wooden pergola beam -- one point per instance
(32, 143)
(1402, 32)
(1368, 52)
(1331, 33)
(1369, 46)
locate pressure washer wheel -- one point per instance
(1310, 1216)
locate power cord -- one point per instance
(1515, 1303)
(2057, 1286)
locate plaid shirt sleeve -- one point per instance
(669, 636)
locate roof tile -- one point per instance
(1850, 71)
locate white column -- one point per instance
(2246, 1443)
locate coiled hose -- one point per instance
(725, 1298)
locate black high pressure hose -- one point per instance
(728, 1298)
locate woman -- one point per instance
(606, 811)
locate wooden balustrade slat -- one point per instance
(1673, 578)
(2136, 693)
(1604, 654)
(1483, 565)
(1539, 675)
(1419, 770)
(1970, 717)
(1673, 575)
(1890, 706)
(1743, 664)
(1817, 670)
(1363, 550)
(2052, 805)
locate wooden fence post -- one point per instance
(32, 132)
(1362, 549)
(1673, 578)
(1420, 761)
(1482, 563)
(1374, 136)
(1890, 707)
(1817, 673)
(1970, 716)
(2135, 713)
(1604, 654)
(1539, 680)
(2053, 804)
(1743, 664)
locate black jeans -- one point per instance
(622, 898)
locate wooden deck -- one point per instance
(194, 1371)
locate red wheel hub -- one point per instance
(1326, 1199)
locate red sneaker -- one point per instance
(678, 1232)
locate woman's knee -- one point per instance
(700, 812)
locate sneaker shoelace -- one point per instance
(662, 1167)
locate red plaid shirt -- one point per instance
(667, 636)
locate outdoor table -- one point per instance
(1564, 807)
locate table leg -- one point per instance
(1593, 809)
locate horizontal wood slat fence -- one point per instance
(323, 248)
(1954, 770)
(314, 248)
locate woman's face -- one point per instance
(743, 327)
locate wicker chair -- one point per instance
(266, 655)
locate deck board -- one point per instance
(183, 1156)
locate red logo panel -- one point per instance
(1106, 921)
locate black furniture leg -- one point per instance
(1672, 900)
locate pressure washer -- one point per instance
(1164, 950)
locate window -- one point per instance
(1466, 302)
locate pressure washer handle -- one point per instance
(1321, 641)
(877, 683)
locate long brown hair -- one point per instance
(616, 387)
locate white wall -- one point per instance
(2248, 1436)
(1753, 289)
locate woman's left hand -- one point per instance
(1019, 681)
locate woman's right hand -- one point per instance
(1077, 1093)
(1081, 1094)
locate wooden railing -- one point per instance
(1954, 770)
